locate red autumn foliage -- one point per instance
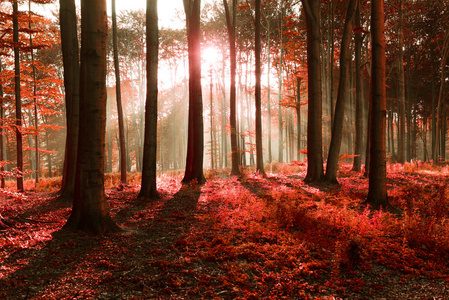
(248, 238)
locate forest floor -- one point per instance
(247, 238)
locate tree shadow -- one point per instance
(138, 263)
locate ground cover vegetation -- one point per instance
(252, 238)
(267, 149)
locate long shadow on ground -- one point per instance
(142, 263)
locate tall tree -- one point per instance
(401, 86)
(18, 97)
(2, 144)
(36, 120)
(90, 212)
(148, 188)
(358, 143)
(345, 64)
(195, 139)
(259, 152)
(118, 95)
(315, 172)
(231, 24)
(377, 192)
(70, 59)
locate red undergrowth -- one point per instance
(247, 238)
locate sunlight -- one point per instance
(211, 57)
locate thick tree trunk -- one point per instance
(195, 142)
(18, 98)
(314, 122)
(90, 212)
(259, 152)
(358, 147)
(377, 193)
(149, 168)
(121, 126)
(70, 59)
(337, 128)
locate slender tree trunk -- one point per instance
(70, 59)
(231, 23)
(195, 143)
(36, 121)
(259, 152)
(121, 126)
(281, 69)
(212, 158)
(337, 128)
(358, 147)
(298, 117)
(401, 88)
(18, 98)
(377, 193)
(2, 144)
(90, 212)
(270, 156)
(439, 106)
(149, 167)
(314, 122)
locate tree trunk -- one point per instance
(149, 168)
(314, 122)
(281, 69)
(195, 142)
(2, 144)
(121, 126)
(90, 212)
(401, 88)
(36, 121)
(259, 152)
(298, 118)
(377, 193)
(70, 59)
(212, 158)
(231, 23)
(337, 128)
(358, 147)
(18, 98)
(270, 156)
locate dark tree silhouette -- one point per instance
(90, 212)
(377, 193)
(315, 172)
(70, 59)
(195, 139)
(148, 188)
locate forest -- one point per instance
(254, 149)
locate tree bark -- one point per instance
(149, 168)
(259, 152)
(70, 59)
(195, 141)
(337, 128)
(18, 98)
(2, 144)
(231, 23)
(358, 147)
(377, 193)
(90, 212)
(314, 123)
(121, 126)
(401, 88)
